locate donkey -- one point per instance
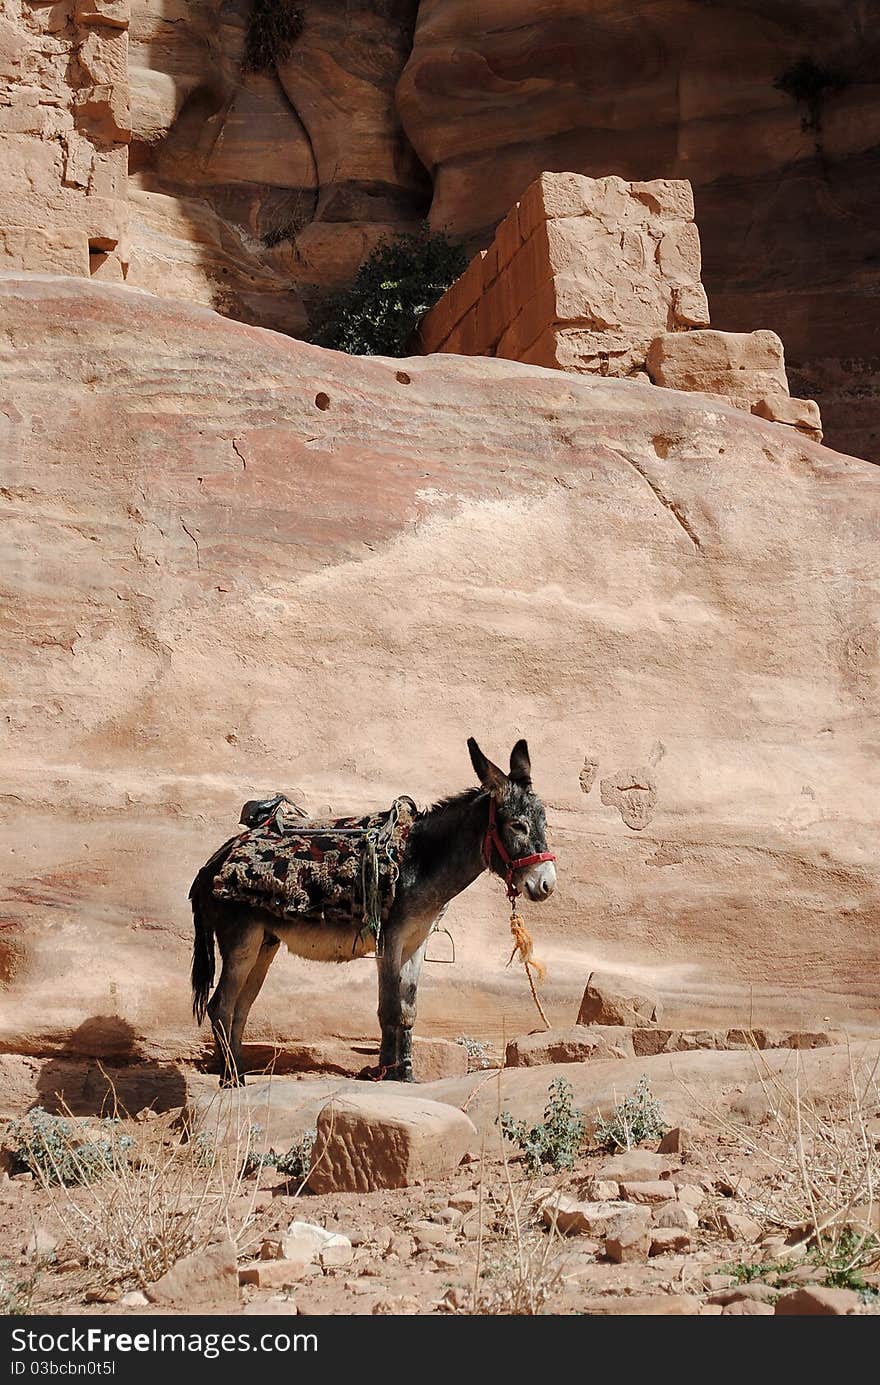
(499, 826)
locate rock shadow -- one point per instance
(99, 1073)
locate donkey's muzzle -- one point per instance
(540, 882)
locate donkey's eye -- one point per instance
(521, 826)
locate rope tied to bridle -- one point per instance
(522, 944)
(522, 941)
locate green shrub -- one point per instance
(16, 1293)
(297, 1161)
(295, 1164)
(273, 28)
(477, 1052)
(51, 1148)
(394, 287)
(557, 1140)
(845, 1260)
(638, 1117)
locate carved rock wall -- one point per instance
(64, 127)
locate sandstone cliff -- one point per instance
(238, 563)
(255, 192)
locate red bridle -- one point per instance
(493, 838)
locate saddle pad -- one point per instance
(343, 871)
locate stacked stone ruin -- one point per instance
(600, 276)
(64, 132)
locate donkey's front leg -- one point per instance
(398, 988)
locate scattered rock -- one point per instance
(644, 1191)
(402, 1246)
(610, 999)
(572, 1218)
(690, 1194)
(818, 1301)
(111, 1295)
(307, 1241)
(434, 1059)
(601, 1190)
(628, 1239)
(676, 1216)
(666, 1239)
(576, 1045)
(42, 1244)
(763, 1293)
(466, 1201)
(336, 1253)
(271, 1250)
(644, 1305)
(404, 1306)
(637, 1166)
(676, 1141)
(274, 1274)
(738, 1227)
(749, 1306)
(134, 1299)
(385, 1140)
(427, 1234)
(206, 1278)
(271, 1307)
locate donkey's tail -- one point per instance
(203, 953)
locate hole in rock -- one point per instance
(322, 400)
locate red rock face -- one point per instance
(240, 564)
(493, 95)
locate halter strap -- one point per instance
(493, 838)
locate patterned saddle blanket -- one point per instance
(344, 871)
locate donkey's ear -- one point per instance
(490, 776)
(520, 764)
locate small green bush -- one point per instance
(477, 1052)
(394, 287)
(558, 1140)
(273, 28)
(51, 1148)
(845, 1261)
(638, 1117)
(16, 1293)
(297, 1161)
(295, 1164)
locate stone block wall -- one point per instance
(64, 131)
(600, 276)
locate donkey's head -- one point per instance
(520, 820)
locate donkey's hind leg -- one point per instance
(239, 957)
(398, 987)
(251, 988)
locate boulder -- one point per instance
(610, 999)
(208, 1278)
(665, 1240)
(739, 1227)
(637, 1166)
(275, 1274)
(628, 1240)
(382, 1139)
(802, 414)
(306, 1240)
(644, 1191)
(742, 367)
(576, 1045)
(815, 1300)
(573, 1218)
(676, 1216)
